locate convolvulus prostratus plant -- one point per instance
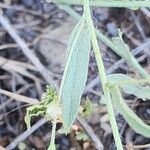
(63, 106)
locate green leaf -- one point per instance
(122, 49)
(75, 73)
(72, 38)
(133, 120)
(130, 85)
(33, 111)
(88, 108)
(81, 136)
(45, 107)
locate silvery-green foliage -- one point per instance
(75, 73)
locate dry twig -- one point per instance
(91, 134)
(29, 54)
(25, 134)
(20, 98)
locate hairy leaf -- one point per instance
(75, 73)
(130, 85)
(72, 38)
(133, 120)
(123, 50)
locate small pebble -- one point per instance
(101, 14)
(28, 3)
(148, 111)
(48, 8)
(112, 29)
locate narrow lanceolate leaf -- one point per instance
(72, 38)
(130, 85)
(123, 50)
(75, 73)
(133, 120)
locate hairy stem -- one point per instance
(102, 75)
(52, 143)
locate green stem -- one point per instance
(102, 75)
(95, 43)
(52, 143)
(104, 3)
